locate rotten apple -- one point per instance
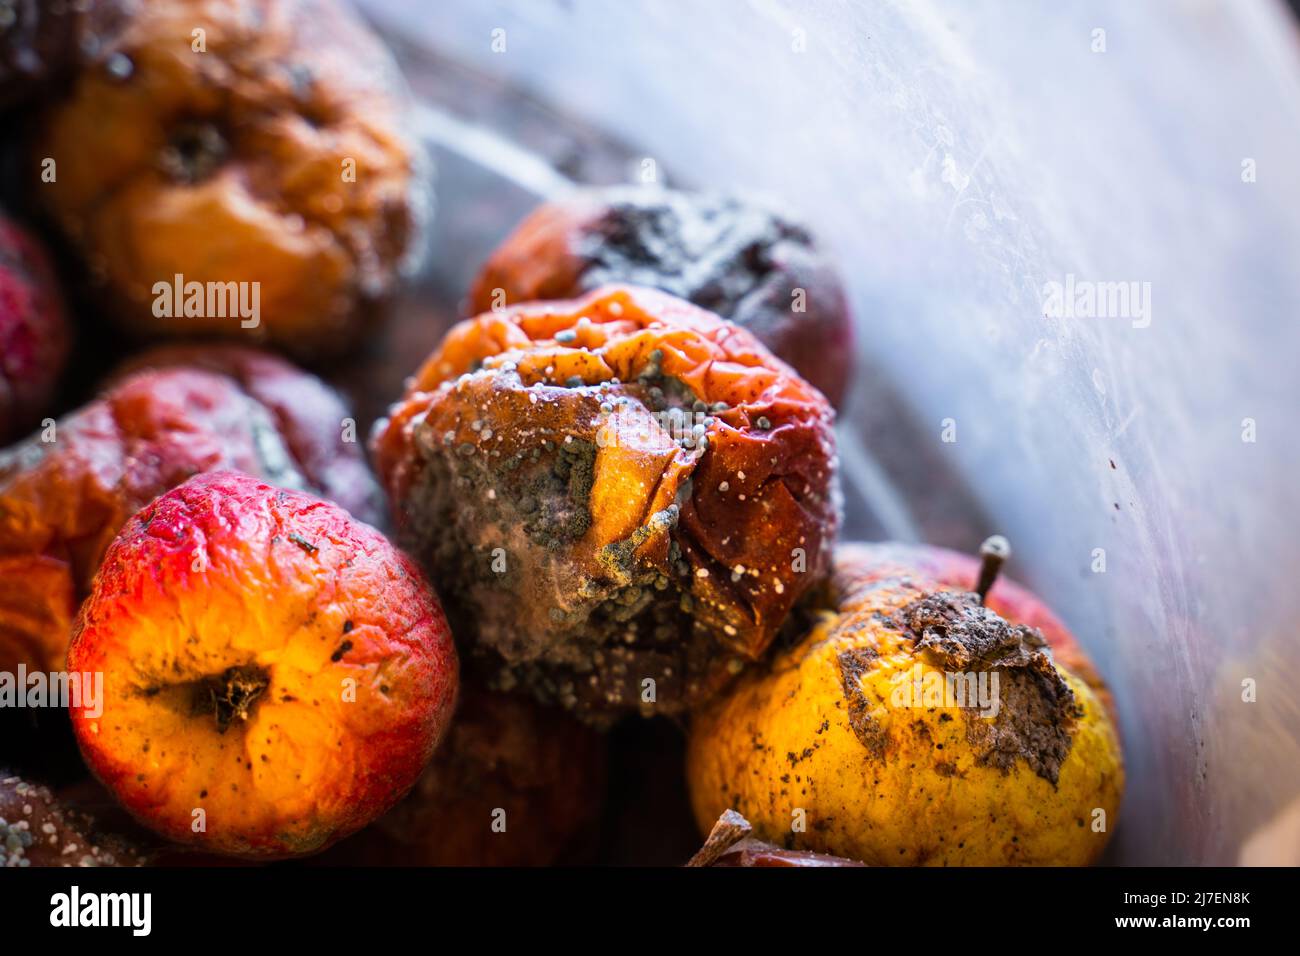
(34, 332)
(742, 258)
(276, 674)
(257, 147)
(915, 725)
(38, 828)
(67, 490)
(514, 784)
(621, 497)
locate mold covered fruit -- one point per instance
(37, 828)
(67, 490)
(34, 334)
(239, 168)
(915, 725)
(276, 674)
(859, 566)
(738, 257)
(622, 496)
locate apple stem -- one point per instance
(231, 694)
(993, 553)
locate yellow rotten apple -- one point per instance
(916, 725)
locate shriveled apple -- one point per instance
(276, 674)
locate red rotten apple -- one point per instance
(33, 330)
(276, 674)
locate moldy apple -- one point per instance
(829, 751)
(621, 496)
(739, 257)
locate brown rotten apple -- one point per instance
(622, 496)
(737, 257)
(66, 491)
(514, 784)
(276, 674)
(252, 141)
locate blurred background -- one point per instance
(957, 158)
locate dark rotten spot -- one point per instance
(853, 664)
(1037, 709)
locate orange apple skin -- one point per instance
(345, 672)
(653, 557)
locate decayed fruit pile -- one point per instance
(611, 496)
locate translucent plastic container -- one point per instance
(959, 159)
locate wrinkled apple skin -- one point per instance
(268, 660)
(661, 488)
(311, 417)
(749, 262)
(279, 156)
(66, 491)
